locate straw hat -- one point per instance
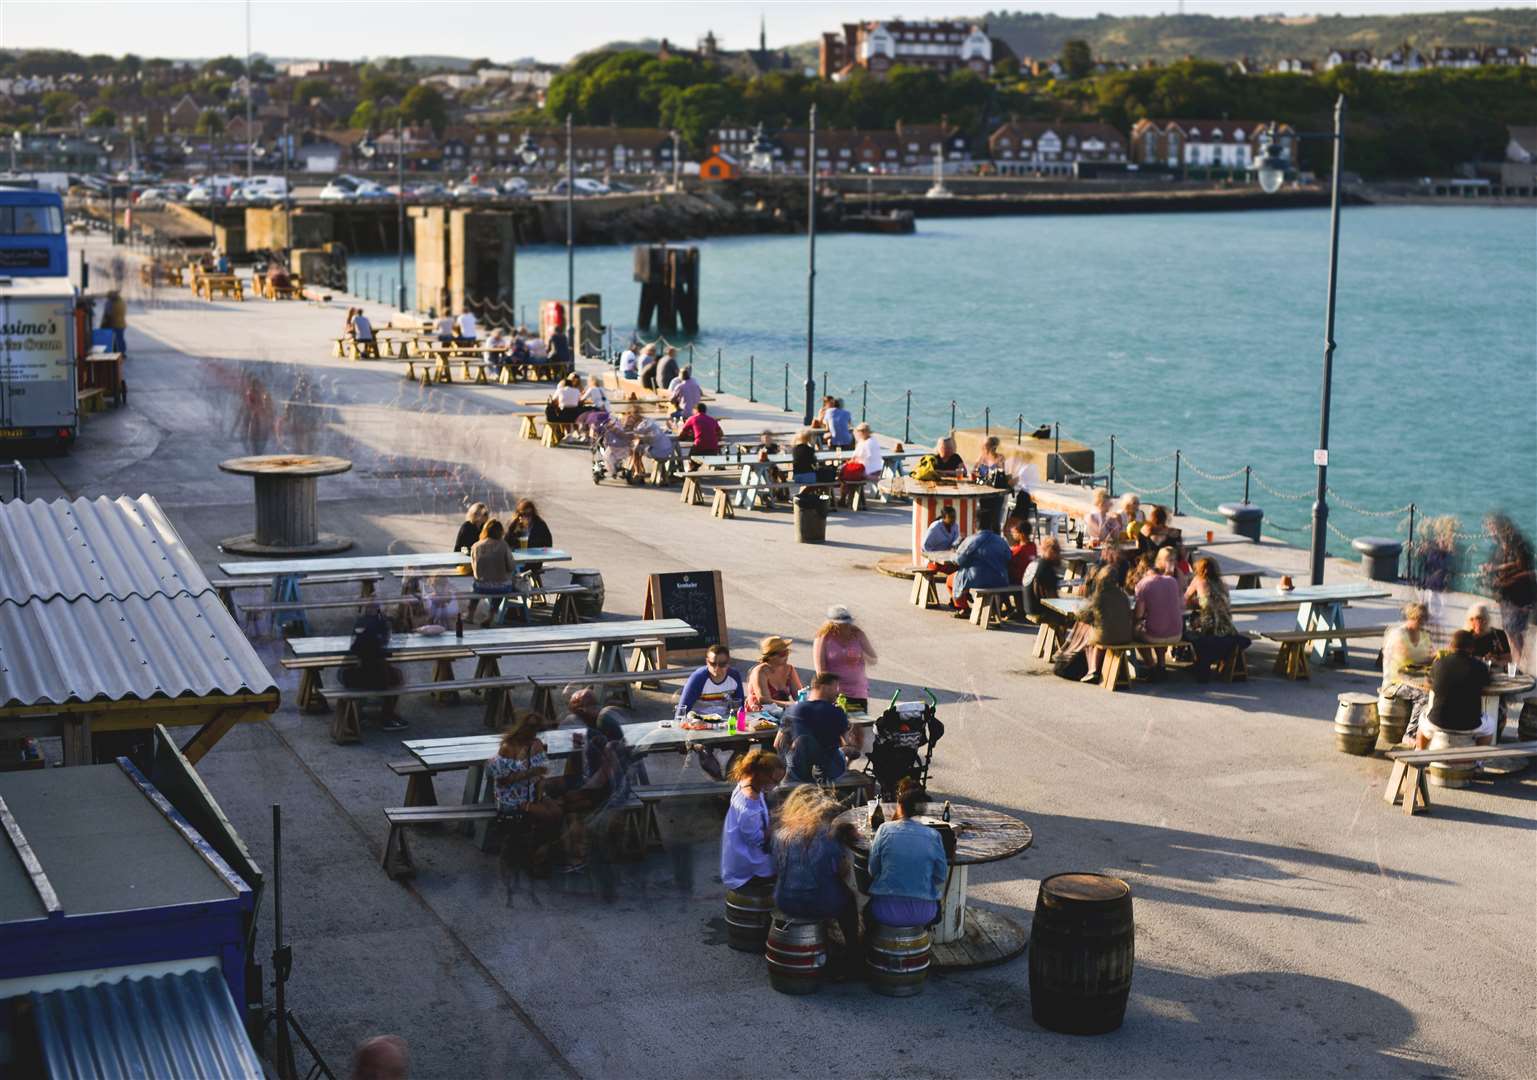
(771, 645)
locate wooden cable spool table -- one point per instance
(966, 937)
(285, 505)
(929, 500)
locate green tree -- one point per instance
(307, 90)
(209, 122)
(1077, 59)
(56, 103)
(697, 111)
(425, 105)
(102, 117)
(366, 117)
(231, 67)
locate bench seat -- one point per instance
(993, 605)
(1407, 780)
(545, 686)
(347, 724)
(1292, 658)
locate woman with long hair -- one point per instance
(746, 855)
(475, 517)
(1214, 633)
(530, 527)
(1510, 575)
(526, 820)
(1407, 652)
(492, 564)
(843, 649)
(808, 856)
(773, 680)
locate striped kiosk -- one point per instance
(930, 499)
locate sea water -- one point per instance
(1197, 332)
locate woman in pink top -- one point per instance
(843, 649)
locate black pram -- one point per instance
(904, 729)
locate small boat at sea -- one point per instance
(893, 222)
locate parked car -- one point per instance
(211, 189)
(515, 186)
(261, 190)
(467, 192)
(161, 194)
(583, 186)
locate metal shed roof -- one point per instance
(93, 548)
(172, 1026)
(58, 651)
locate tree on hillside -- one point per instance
(307, 90)
(229, 66)
(1077, 59)
(425, 105)
(101, 118)
(209, 122)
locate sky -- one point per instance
(510, 29)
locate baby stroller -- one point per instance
(901, 732)
(610, 450)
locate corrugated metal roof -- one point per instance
(60, 651)
(171, 1026)
(92, 548)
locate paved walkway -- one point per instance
(1289, 923)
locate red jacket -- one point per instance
(704, 430)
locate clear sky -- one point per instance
(548, 30)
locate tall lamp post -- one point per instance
(528, 153)
(400, 209)
(1271, 173)
(570, 240)
(811, 263)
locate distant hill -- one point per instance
(1265, 37)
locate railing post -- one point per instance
(987, 421)
(1176, 481)
(864, 401)
(824, 382)
(787, 386)
(1111, 487)
(1019, 432)
(751, 388)
(690, 354)
(717, 370)
(1246, 484)
(1409, 548)
(952, 416)
(907, 422)
(1055, 472)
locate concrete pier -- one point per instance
(1289, 923)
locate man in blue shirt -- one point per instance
(983, 563)
(816, 727)
(840, 427)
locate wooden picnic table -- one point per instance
(604, 640)
(966, 937)
(424, 560)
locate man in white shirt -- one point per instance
(629, 363)
(444, 328)
(465, 328)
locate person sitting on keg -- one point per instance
(908, 867)
(1406, 652)
(1457, 681)
(1490, 644)
(746, 852)
(809, 860)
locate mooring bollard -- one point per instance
(907, 423)
(750, 377)
(1176, 481)
(717, 371)
(787, 387)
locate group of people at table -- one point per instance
(491, 546)
(814, 740)
(1444, 688)
(500, 346)
(1141, 590)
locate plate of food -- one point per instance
(431, 630)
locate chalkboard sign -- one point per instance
(696, 597)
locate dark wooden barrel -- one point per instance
(796, 953)
(1526, 725)
(1081, 953)
(898, 957)
(747, 917)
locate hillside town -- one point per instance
(455, 121)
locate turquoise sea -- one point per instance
(1197, 332)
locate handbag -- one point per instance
(1070, 665)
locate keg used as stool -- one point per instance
(1355, 723)
(1393, 717)
(1453, 775)
(589, 605)
(748, 911)
(1082, 949)
(899, 959)
(1526, 726)
(796, 954)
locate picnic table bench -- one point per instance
(89, 399)
(1292, 657)
(544, 704)
(226, 587)
(1407, 780)
(347, 727)
(226, 285)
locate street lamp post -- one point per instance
(1271, 172)
(811, 263)
(528, 153)
(570, 240)
(400, 209)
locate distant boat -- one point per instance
(893, 222)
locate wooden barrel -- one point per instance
(1455, 775)
(1355, 723)
(1526, 726)
(747, 918)
(796, 953)
(1393, 718)
(898, 958)
(1081, 953)
(590, 604)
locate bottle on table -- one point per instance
(946, 815)
(459, 627)
(877, 815)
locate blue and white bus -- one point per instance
(32, 240)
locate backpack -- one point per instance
(927, 469)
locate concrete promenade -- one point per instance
(1289, 923)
